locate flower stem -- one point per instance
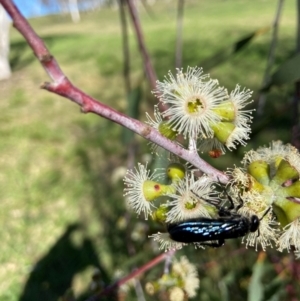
(109, 289)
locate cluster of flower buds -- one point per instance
(270, 179)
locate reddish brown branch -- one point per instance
(132, 275)
(150, 72)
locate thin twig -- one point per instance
(298, 27)
(126, 56)
(150, 72)
(132, 275)
(270, 61)
(295, 104)
(178, 55)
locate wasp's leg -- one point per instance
(214, 244)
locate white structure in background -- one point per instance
(4, 44)
(74, 11)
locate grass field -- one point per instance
(62, 210)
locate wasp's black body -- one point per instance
(206, 229)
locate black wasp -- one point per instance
(214, 231)
(207, 229)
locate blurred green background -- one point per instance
(62, 210)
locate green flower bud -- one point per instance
(160, 214)
(292, 190)
(176, 171)
(277, 160)
(166, 130)
(255, 185)
(281, 216)
(285, 172)
(222, 130)
(152, 190)
(225, 110)
(286, 211)
(260, 171)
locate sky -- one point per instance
(35, 8)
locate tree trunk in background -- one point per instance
(4, 45)
(74, 11)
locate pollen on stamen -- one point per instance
(191, 98)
